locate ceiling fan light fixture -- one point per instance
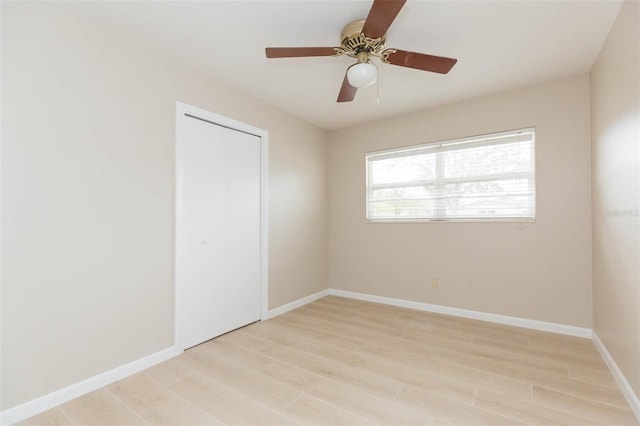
(362, 74)
(364, 39)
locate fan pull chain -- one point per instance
(378, 88)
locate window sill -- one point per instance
(501, 220)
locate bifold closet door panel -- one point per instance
(219, 242)
(243, 228)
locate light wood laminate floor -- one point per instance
(341, 361)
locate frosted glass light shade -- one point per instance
(362, 74)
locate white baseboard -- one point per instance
(296, 304)
(46, 402)
(625, 387)
(465, 313)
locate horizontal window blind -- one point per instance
(488, 177)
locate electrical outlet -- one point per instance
(434, 282)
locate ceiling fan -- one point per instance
(364, 39)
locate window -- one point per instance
(489, 177)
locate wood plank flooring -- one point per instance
(338, 361)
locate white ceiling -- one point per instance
(499, 45)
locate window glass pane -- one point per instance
(502, 198)
(487, 207)
(487, 188)
(487, 160)
(403, 169)
(406, 202)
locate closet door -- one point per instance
(218, 247)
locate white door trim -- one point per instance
(183, 112)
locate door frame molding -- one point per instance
(185, 112)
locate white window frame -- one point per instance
(440, 181)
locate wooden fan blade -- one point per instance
(296, 52)
(420, 61)
(347, 91)
(381, 15)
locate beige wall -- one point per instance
(615, 127)
(88, 198)
(541, 272)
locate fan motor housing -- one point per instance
(353, 41)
